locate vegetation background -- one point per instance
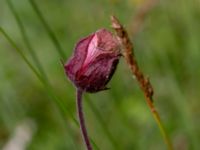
(38, 109)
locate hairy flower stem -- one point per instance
(82, 120)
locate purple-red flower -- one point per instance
(94, 61)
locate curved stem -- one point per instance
(82, 120)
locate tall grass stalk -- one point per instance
(99, 117)
(46, 84)
(43, 77)
(26, 40)
(61, 53)
(145, 85)
(41, 74)
(48, 29)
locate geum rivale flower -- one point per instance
(91, 67)
(94, 61)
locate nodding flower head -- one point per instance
(94, 61)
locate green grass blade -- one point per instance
(57, 45)
(21, 53)
(47, 87)
(100, 119)
(42, 75)
(50, 92)
(48, 29)
(26, 39)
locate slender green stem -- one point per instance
(42, 75)
(46, 84)
(21, 53)
(98, 116)
(26, 39)
(59, 50)
(48, 29)
(32, 52)
(159, 123)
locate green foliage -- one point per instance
(36, 35)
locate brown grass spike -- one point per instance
(142, 80)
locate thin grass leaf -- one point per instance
(48, 88)
(26, 40)
(36, 60)
(48, 29)
(21, 54)
(43, 76)
(98, 116)
(59, 50)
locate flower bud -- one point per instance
(94, 61)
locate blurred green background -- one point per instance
(38, 112)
